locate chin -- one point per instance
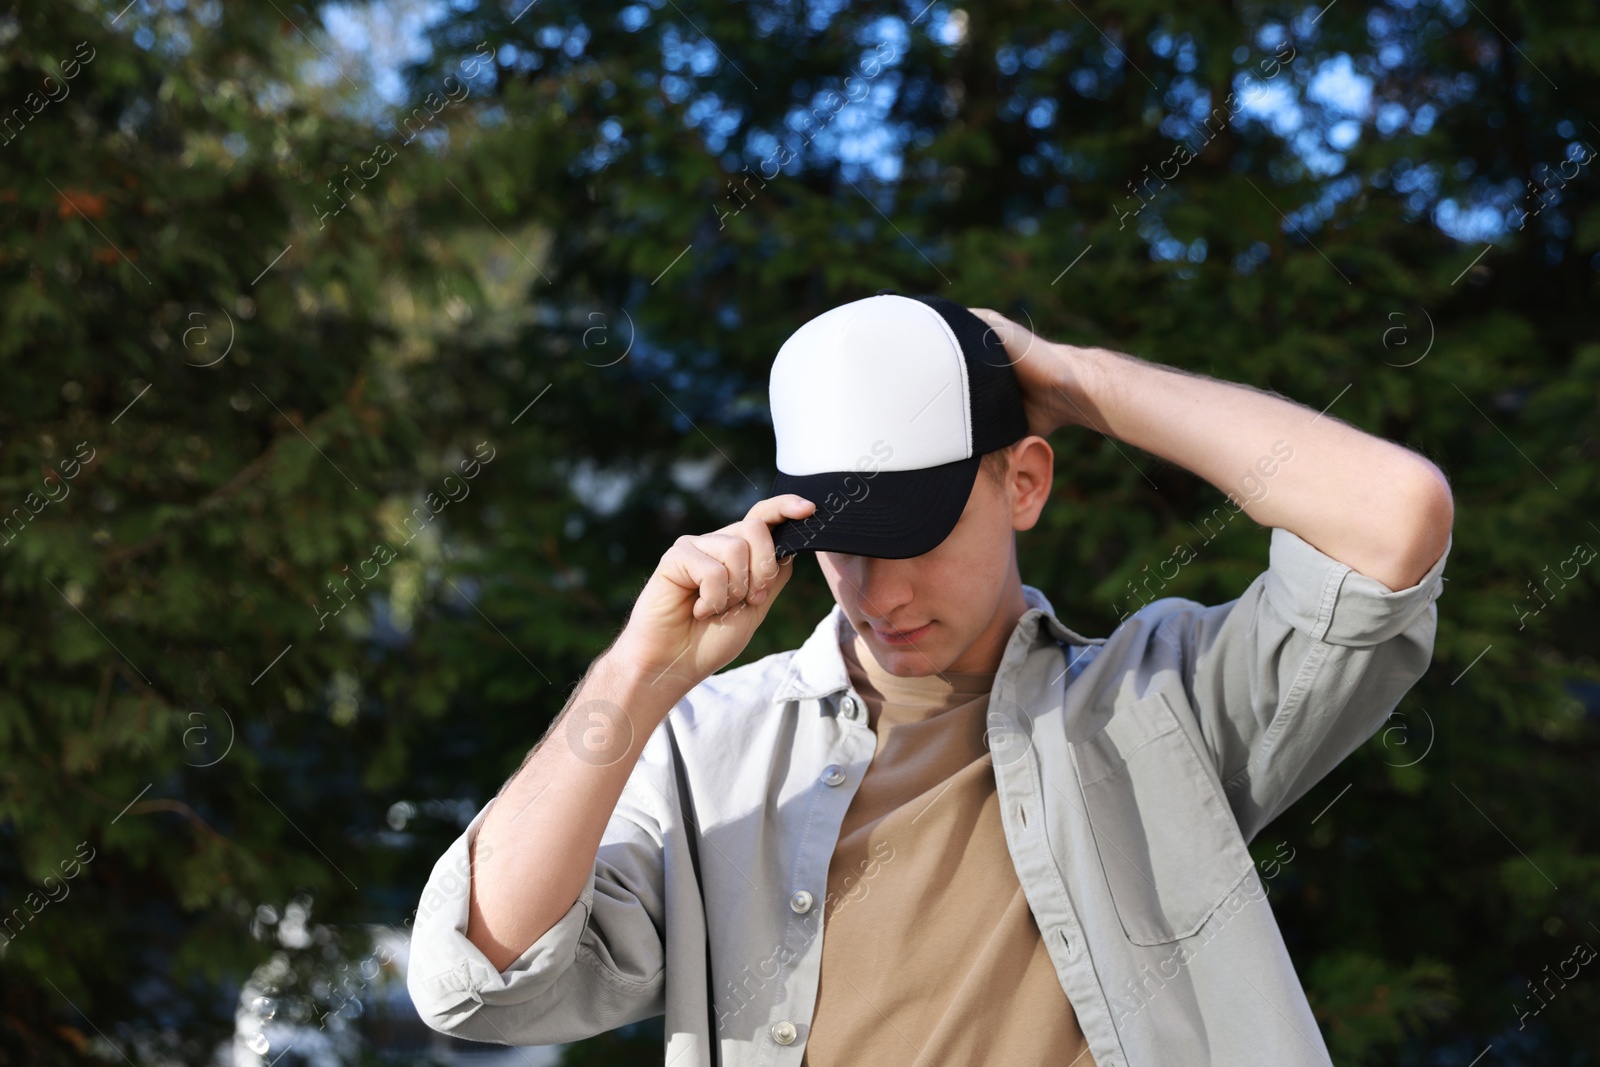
(905, 661)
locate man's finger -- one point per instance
(1017, 340)
(692, 570)
(764, 567)
(733, 551)
(774, 509)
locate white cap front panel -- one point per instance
(883, 372)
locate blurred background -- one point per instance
(359, 360)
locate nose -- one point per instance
(884, 586)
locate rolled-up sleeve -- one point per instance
(1294, 675)
(600, 966)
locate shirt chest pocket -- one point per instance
(1169, 846)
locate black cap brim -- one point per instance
(883, 514)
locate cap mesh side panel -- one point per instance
(998, 418)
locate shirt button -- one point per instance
(784, 1033)
(800, 903)
(851, 707)
(833, 774)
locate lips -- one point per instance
(902, 637)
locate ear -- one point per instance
(1033, 465)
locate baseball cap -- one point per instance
(883, 409)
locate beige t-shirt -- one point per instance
(930, 955)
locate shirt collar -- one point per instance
(817, 668)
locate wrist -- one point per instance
(611, 716)
(1077, 372)
(629, 680)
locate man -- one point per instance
(948, 829)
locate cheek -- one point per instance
(841, 589)
(966, 591)
(970, 572)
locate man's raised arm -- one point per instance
(1373, 505)
(695, 614)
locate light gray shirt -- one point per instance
(1132, 770)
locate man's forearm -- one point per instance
(543, 830)
(1372, 504)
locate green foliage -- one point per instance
(1364, 1002)
(604, 229)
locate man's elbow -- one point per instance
(1429, 513)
